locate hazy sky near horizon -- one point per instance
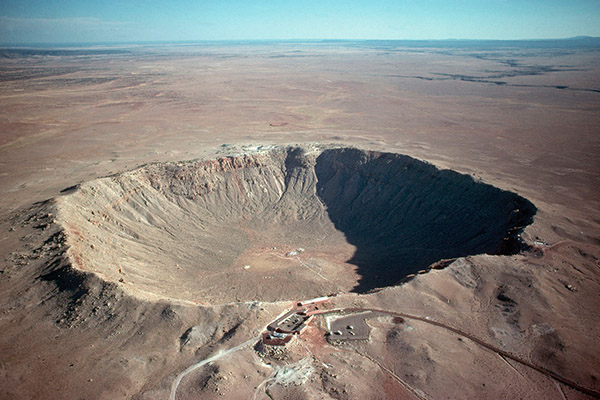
(78, 21)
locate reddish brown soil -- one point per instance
(70, 334)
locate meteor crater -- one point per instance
(283, 224)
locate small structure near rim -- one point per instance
(281, 331)
(276, 338)
(317, 300)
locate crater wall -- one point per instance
(288, 223)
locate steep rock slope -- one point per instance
(229, 229)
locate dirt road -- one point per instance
(199, 364)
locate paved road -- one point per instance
(427, 320)
(480, 342)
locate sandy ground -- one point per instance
(70, 119)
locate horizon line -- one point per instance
(310, 40)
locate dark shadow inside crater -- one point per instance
(403, 214)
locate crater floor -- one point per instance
(282, 224)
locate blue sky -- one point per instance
(56, 21)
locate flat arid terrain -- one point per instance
(166, 211)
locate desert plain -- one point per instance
(161, 204)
